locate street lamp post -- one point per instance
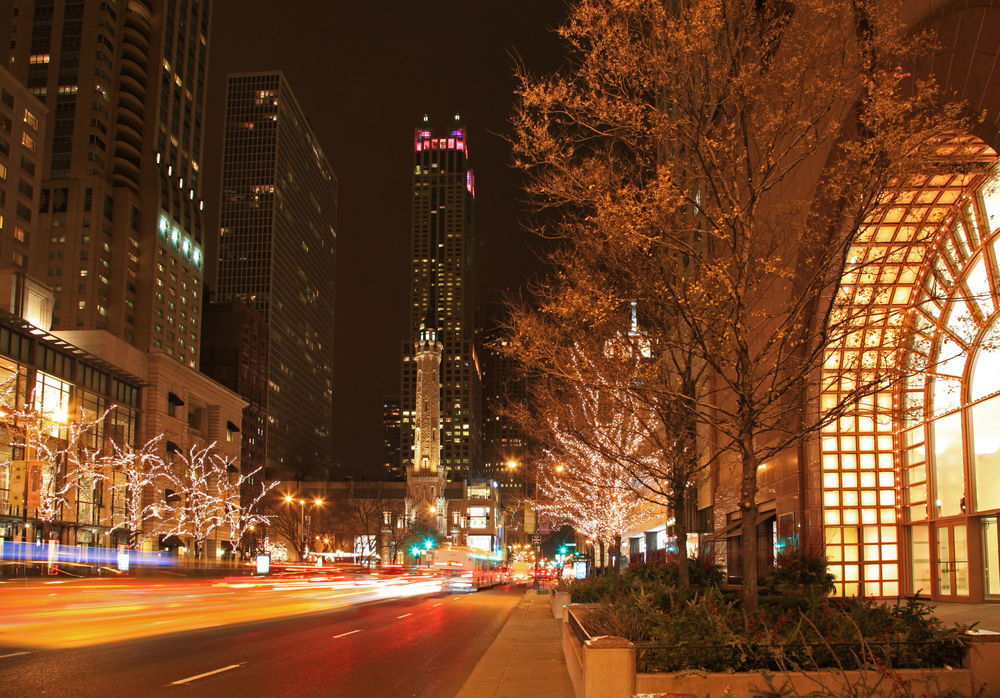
(301, 536)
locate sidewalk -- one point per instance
(526, 659)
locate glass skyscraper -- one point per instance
(277, 253)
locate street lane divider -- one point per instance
(208, 673)
(345, 634)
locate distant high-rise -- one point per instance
(442, 268)
(234, 351)
(277, 253)
(390, 434)
(503, 386)
(120, 206)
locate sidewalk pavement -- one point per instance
(526, 658)
(986, 614)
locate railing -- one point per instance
(804, 655)
(577, 627)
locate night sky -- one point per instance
(365, 73)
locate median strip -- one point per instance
(346, 634)
(208, 673)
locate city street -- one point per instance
(391, 639)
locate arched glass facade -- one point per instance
(911, 477)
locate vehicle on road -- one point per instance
(467, 569)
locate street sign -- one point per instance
(536, 540)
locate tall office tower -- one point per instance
(120, 209)
(503, 386)
(390, 434)
(234, 347)
(442, 294)
(277, 253)
(22, 123)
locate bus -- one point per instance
(467, 569)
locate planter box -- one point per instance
(931, 681)
(557, 602)
(604, 667)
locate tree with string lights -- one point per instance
(133, 474)
(583, 477)
(196, 506)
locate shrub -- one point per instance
(703, 570)
(709, 631)
(802, 565)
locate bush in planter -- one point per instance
(801, 566)
(592, 589)
(709, 631)
(703, 571)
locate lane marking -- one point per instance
(208, 673)
(405, 615)
(437, 604)
(13, 654)
(346, 634)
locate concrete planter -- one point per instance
(604, 667)
(558, 600)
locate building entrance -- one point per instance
(952, 563)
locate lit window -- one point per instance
(31, 120)
(28, 142)
(101, 309)
(73, 89)
(83, 272)
(81, 305)
(39, 58)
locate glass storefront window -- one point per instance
(991, 555)
(986, 452)
(950, 468)
(985, 379)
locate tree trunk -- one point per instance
(617, 558)
(680, 528)
(600, 546)
(748, 505)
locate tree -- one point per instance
(651, 386)
(369, 501)
(133, 473)
(196, 505)
(242, 502)
(715, 160)
(584, 476)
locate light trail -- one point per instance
(93, 612)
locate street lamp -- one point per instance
(302, 519)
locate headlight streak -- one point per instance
(91, 612)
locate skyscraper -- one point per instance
(503, 438)
(277, 253)
(120, 208)
(442, 253)
(390, 434)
